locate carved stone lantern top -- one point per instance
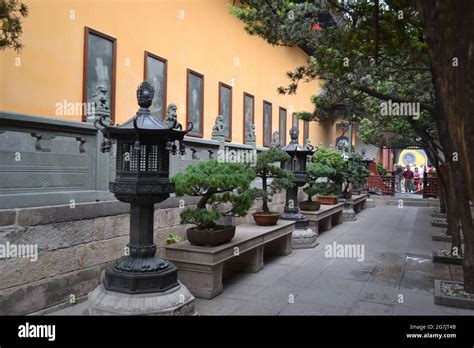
(293, 148)
(298, 158)
(143, 125)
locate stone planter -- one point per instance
(436, 222)
(439, 216)
(219, 235)
(443, 237)
(443, 256)
(266, 219)
(310, 205)
(328, 200)
(449, 293)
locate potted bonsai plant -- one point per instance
(326, 171)
(215, 182)
(356, 174)
(266, 168)
(310, 204)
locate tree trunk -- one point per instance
(467, 227)
(454, 203)
(454, 216)
(442, 195)
(203, 201)
(265, 198)
(442, 187)
(458, 201)
(450, 35)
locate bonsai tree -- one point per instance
(356, 173)
(329, 164)
(266, 168)
(311, 190)
(215, 182)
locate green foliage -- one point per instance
(311, 190)
(217, 183)
(305, 116)
(321, 189)
(240, 204)
(356, 171)
(267, 167)
(203, 218)
(11, 13)
(173, 238)
(381, 169)
(325, 163)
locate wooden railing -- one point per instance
(383, 184)
(430, 185)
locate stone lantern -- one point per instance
(140, 281)
(303, 236)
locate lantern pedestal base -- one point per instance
(369, 203)
(176, 301)
(133, 275)
(303, 236)
(348, 213)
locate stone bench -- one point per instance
(324, 218)
(358, 202)
(201, 268)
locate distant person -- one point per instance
(398, 177)
(416, 179)
(408, 176)
(422, 176)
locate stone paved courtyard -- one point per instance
(397, 262)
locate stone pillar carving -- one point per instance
(275, 139)
(250, 138)
(218, 132)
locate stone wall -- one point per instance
(75, 243)
(46, 161)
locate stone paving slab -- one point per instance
(370, 308)
(305, 308)
(379, 293)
